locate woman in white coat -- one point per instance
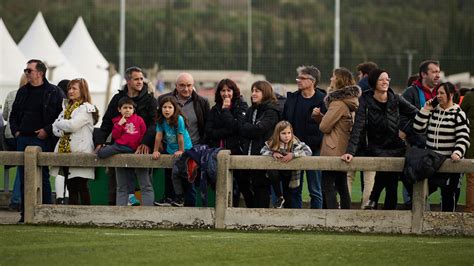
(74, 128)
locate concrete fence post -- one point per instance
(223, 194)
(33, 182)
(420, 191)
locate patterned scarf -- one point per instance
(64, 146)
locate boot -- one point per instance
(372, 205)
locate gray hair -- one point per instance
(130, 70)
(312, 71)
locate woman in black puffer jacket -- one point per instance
(222, 125)
(223, 121)
(260, 120)
(380, 122)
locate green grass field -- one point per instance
(53, 245)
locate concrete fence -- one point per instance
(224, 216)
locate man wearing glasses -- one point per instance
(196, 108)
(36, 106)
(297, 110)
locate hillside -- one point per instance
(213, 34)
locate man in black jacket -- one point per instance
(196, 109)
(36, 106)
(297, 110)
(146, 105)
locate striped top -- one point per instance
(446, 130)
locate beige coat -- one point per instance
(337, 123)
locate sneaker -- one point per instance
(132, 200)
(178, 202)
(279, 203)
(164, 202)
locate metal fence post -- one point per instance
(33, 182)
(223, 194)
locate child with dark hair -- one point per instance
(127, 132)
(171, 129)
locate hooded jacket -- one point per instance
(447, 130)
(80, 126)
(146, 109)
(255, 133)
(337, 123)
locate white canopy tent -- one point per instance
(12, 63)
(38, 43)
(81, 51)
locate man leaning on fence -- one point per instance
(146, 104)
(36, 106)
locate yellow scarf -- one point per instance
(64, 146)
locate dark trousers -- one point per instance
(449, 189)
(22, 142)
(389, 182)
(280, 180)
(189, 189)
(255, 187)
(332, 182)
(78, 191)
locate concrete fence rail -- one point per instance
(224, 216)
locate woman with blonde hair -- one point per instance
(341, 102)
(74, 127)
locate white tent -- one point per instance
(38, 43)
(81, 51)
(12, 63)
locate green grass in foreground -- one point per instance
(53, 245)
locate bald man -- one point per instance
(196, 109)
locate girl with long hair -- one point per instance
(284, 147)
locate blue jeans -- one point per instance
(22, 142)
(10, 145)
(16, 193)
(314, 187)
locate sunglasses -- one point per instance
(28, 70)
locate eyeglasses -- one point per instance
(303, 78)
(184, 86)
(387, 79)
(28, 70)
